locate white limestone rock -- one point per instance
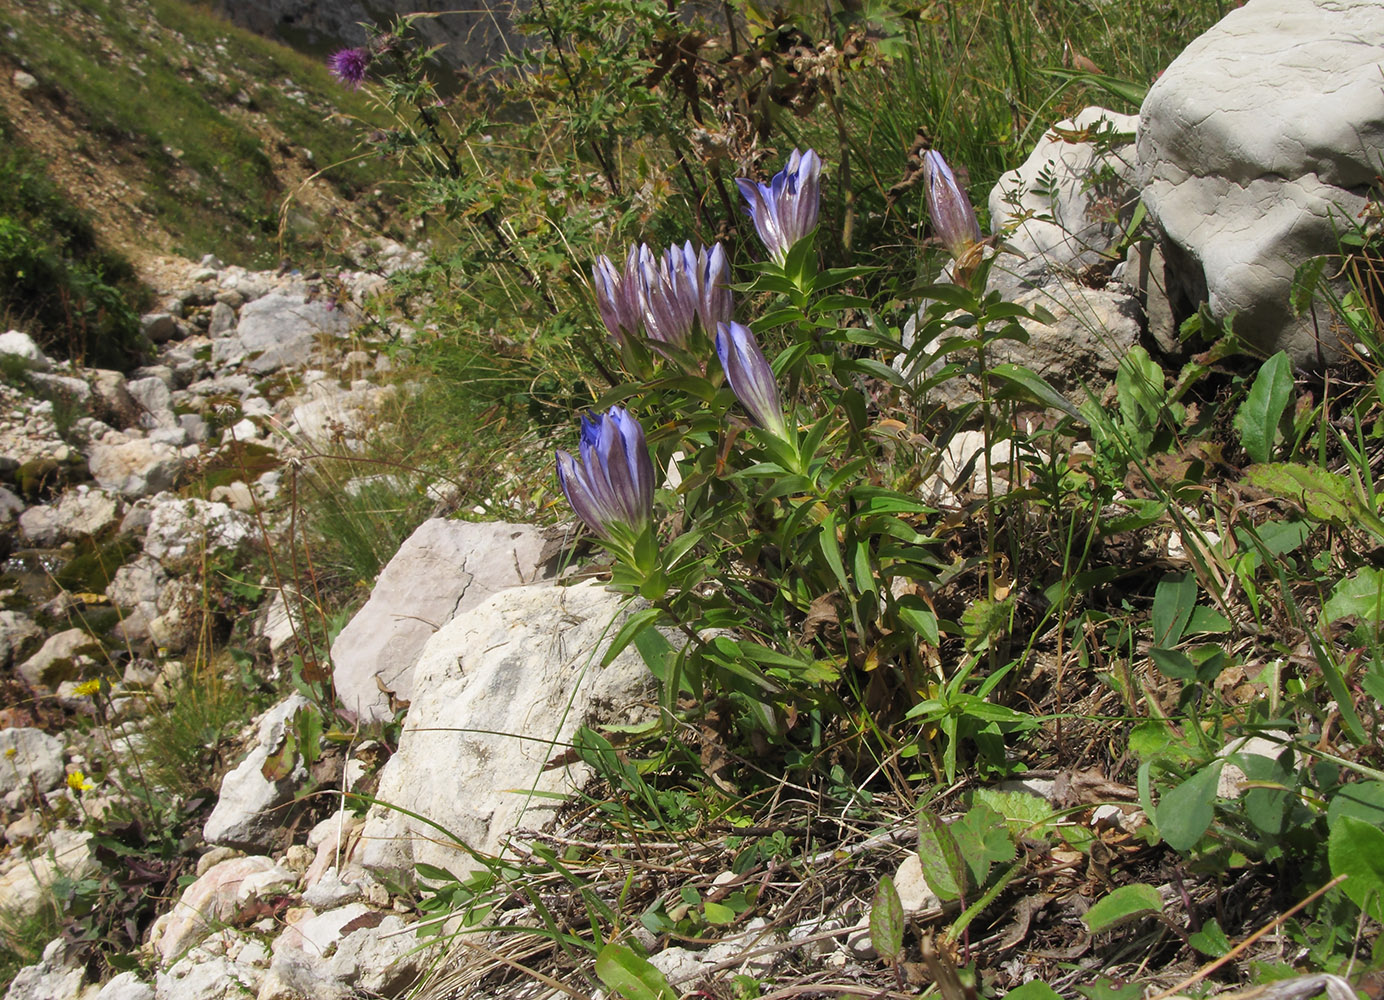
(62, 657)
(281, 329)
(343, 953)
(59, 975)
(1075, 192)
(126, 986)
(246, 813)
(1256, 147)
(219, 894)
(26, 882)
(18, 635)
(29, 759)
(134, 467)
(181, 531)
(18, 344)
(443, 569)
(497, 691)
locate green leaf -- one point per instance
(1121, 906)
(1356, 850)
(1363, 800)
(1323, 495)
(1034, 989)
(1173, 664)
(920, 618)
(1185, 813)
(1021, 383)
(1258, 417)
(633, 625)
(1210, 940)
(631, 975)
(1126, 90)
(886, 921)
(1360, 595)
(1173, 601)
(1024, 814)
(718, 913)
(943, 869)
(984, 840)
(1305, 280)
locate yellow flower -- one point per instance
(77, 781)
(11, 752)
(87, 688)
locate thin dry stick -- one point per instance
(1234, 953)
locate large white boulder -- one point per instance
(281, 328)
(1068, 201)
(443, 569)
(498, 692)
(1255, 149)
(249, 807)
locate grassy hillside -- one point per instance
(181, 133)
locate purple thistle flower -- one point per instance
(611, 488)
(953, 218)
(750, 377)
(349, 66)
(785, 209)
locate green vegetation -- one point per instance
(851, 652)
(56, 281)
(858, 658)
(193, 108)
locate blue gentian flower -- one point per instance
(953, 218)
(665, 295)
(785, 209)
(750, 377)
(611, 487)
(617, 297)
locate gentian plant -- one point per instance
(783, 506)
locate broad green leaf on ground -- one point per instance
(1105, 989)
(1024, 814)
(1210, 940)
(1173, 601)
(943, 868)
(1122, 905)
(1363, 800)
(983, 839)
(1258, 417)
(886, 921)
(1034, 989)
(1324, 496)
(1356, 850)
(1361, 595)
(631, 975)
(1185, 813)
(718, 913)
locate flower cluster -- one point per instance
(611, 487)
(669, 297)
(349, 66)
(664, 295)
(785, 209)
